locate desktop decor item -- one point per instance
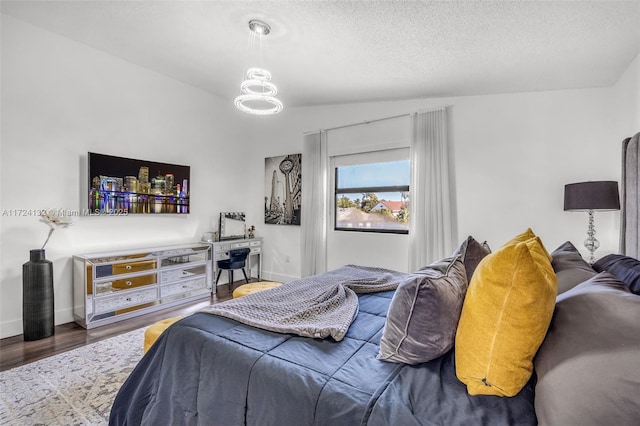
(283, 189)
(591, 196)
(209, 237)
(120, 186)
(232, 226)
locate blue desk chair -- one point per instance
(237, 260)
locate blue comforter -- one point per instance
(211, 370)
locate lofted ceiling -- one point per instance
(333, 52)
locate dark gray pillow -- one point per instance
(588, 366)
(570, 268)
(424, 313)
(472, 252)
(625, 268)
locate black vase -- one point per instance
(37, 297)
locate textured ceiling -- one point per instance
(330, 52)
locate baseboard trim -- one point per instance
(14, 327)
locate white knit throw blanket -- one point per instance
(318, 306)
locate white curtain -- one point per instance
(432, 228)
(315, 203)
(630, 222)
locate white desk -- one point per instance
(220, 251)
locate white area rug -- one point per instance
(72, 388)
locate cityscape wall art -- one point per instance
(283, 189)
(121, 186)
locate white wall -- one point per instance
(61, 99)
(513, 155)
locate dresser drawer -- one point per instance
(221, 248)
(119, 301)
(129, 267)
(255, 243)
(183, 287)
(134, 282)
(240, 245)
(183, 273)
(185, 259)
(221, 256)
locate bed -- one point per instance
(208, 369)
(422, 348)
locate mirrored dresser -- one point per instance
(113, 286)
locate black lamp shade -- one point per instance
(598, 195)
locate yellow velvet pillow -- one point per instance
(505, 317)
(525, 237)
(521, 238)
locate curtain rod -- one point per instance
(375, 120)
(367, 122)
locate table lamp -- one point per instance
(591, 196)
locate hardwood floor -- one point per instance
(14, 351)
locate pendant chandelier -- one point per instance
(257, 92)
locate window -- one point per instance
(372, 192)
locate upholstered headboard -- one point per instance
(630, 199)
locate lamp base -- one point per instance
(591, 243)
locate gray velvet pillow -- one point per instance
(570, 268)
(588, 366)
(424, 313)
(472, 252)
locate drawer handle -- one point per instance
(128, 267)
(129, 283)
(128, 299)
(185, 286)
